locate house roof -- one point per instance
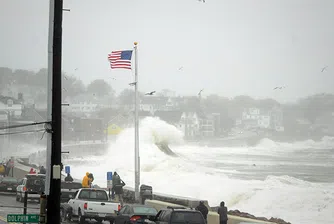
(169, 116)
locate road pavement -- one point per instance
(9, 205)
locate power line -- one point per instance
(24, 125)
(22, 132)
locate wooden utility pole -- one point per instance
(53, 205)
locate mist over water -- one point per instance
(293, 181)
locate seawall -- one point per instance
(160, 200)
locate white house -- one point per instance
(10, 106)
(264, 119)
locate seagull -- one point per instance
(324, 68)
(202, 1)
(181, 68)
(279, 87)
(150, 93)
(199, 94)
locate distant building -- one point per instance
(255, 118)
(158, 103)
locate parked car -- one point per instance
(68, 190)
(8, 184)
(34, 184)
(177, 215)
(135, 213)
(91, 203)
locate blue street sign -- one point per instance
(109, 175)
(67, 169)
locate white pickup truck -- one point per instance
(91, 203)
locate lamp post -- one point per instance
(9, 111)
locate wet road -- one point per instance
(8, 205)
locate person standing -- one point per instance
(85, 181)
(117, 187)
(222, 211)
(203, 209)
(68, 178)
(42, 170)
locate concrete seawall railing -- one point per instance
(161, 201)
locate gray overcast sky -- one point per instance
(226, 47)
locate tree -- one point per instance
(72, 86)
(99, 87)
(316, 106)
(126, 97)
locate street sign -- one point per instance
(109, 183)
(109, 175)
(67, 169)
(109, 179)
(29, 218)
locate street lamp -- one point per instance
(9, 104)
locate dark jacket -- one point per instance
(117, 184)
(42, 170)
(68, 178)
(203, 209)
(222, 211)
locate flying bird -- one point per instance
(324, 68)
(279, 87)
(150, 93)
(181, 68)
(202, 1)
(132, 83)
(200, 92)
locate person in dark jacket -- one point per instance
(203, 209)
(222, 211)
(117, 187)
(68, 178)
(42, 170)
(91, 179)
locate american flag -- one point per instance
(120, 59)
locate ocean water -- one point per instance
(293, 181)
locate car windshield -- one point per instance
(94, 195)
(9, 179)
(144, 210)
(187, 217)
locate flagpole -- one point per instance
(137, 158)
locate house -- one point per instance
(158, 103)
(87, 104)
(276, 119)
(197, 124)
(11, 106)
(255, 118)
